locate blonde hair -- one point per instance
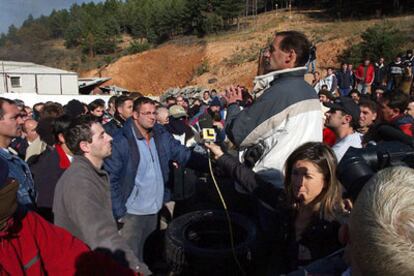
(324, 159)
(382, 224)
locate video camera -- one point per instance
(358, 165)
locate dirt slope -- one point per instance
(227, 58)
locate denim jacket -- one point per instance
(19, 170)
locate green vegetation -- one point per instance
(203, 68)
(136, 47)
(95, 28)
(241, 56)
(381, 40)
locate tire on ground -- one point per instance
(198, 243)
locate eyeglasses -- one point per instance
(148, 113)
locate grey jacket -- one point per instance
(82, 205)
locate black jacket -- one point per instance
(319, 239)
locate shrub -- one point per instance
(204, 67)
(381, 40)
(138, 47)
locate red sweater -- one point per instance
(370, 74)
(32, 246)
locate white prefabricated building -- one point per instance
(27, 77)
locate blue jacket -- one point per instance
(122, 165)
(19, 170)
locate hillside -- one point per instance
(220, 60)
(214, 61)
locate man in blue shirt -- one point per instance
(11, 127)
(139, 170)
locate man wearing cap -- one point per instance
(343, 118)
(178, 126)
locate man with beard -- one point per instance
(211, 119)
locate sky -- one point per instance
(16, 11)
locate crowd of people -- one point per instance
(83, 186)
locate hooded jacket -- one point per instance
(31, 246)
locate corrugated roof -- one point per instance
(15, 67)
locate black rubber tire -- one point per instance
(188, 254)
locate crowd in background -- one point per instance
(104, 171)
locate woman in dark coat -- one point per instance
(309, 208)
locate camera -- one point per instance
(359, 165)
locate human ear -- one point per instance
(84, 146)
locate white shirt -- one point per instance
(352, 140)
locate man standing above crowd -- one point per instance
(274, 125)
(365, 76)
(139, 169)
(395, 73)
(331, 81)
(344, 77)
(82, 201)
(11, 127)
(380, 73)
(343, 118)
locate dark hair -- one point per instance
(369, 104)
(140, 101)
(78, 131)
(95, 104)
(170, 98)
(2, 101)
(356, 91)
(121, 100)
(354, 123)
(45, 130)
(298, 42)
(112, 100)
(52, 110)
(19, 103)
(60, 125)
(397, 99)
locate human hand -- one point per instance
(217, 124)
(233, 94)
(215, 149)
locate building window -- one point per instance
(15, 81)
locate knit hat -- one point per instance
(215, 102)
(177, 111)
